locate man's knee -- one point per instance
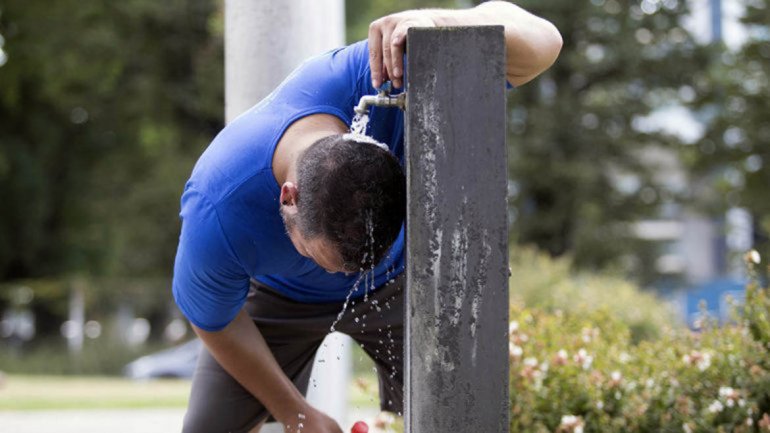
(198, 422)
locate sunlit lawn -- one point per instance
(77, 392)
(18, 392)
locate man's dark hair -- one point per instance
(352, 194)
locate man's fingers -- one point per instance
(375, 54)
(387, 59)
(397, 44)
(387, 43)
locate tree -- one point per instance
(577, 155)
(105, 108)
(733, 155)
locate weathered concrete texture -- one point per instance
(457, 307)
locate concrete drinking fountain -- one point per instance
(456, 339)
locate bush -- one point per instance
(541, 282)
(580, 371)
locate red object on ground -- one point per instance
(360, 427)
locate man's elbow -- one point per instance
(546, 49)
(552, 43)
(541, 54)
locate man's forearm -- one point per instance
(532, 43)
(242, 351)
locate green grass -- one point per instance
(18, 392)
(49, 392)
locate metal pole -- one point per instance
(456, 368)
(266, 40)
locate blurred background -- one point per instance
(638, 159)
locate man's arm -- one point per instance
(532, 43)
(242, 351)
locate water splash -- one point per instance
(347, 302)
(365, 139)
(358, 132)
(359, 124)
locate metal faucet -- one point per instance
(382, 99)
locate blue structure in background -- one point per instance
(716, 295)
(716, 21)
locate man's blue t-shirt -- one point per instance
(231, 227)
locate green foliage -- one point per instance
(575, 149)
(105, 108)
(541, 282)
(756, 308)
(576, 371)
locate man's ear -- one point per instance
(289, 196)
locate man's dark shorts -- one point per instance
(294, 331)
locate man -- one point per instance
(292, 226)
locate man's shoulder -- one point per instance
(239, 155)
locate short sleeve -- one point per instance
(210, 285)
(336, 79)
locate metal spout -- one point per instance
(382, 99)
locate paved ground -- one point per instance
(92, 421)
(113, 421)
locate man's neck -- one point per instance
(299, 136)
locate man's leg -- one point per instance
(294, 331)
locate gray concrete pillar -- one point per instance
(456, 364)
(265, 40)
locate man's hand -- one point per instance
(387, 40)
(311, 420)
